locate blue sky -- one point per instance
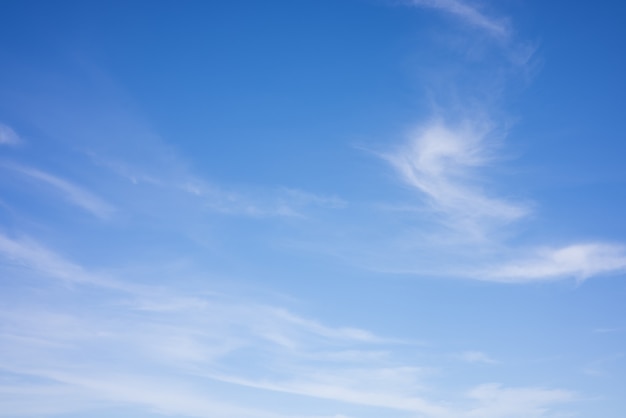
(312, 209)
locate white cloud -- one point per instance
(75, 194)
(42, 261)
(441, 162)
(444, 164)
(165, 350)
(499, 402)
(394, 388)
(8, 135)
(580, 261)
(32, 255)
(497, 28)
(74, 391)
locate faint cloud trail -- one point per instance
(75, 194)
(444, 161)
(189, 343)
(477, 357)
(8, 136)
(468, 14)
(581, 261)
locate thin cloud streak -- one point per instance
(198, 340)
(579, 261)
(86, 391)
(468, 14)
(341, 390)
(444, 163)
(477, 357)
(75, 194)
(37, 258)
(32, 255)
(500, 402)
(282, 202)
(279, 202)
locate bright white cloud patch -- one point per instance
(444, 163)
(8, 135)
(441, 162)
(580, 261)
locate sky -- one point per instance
(312, 209)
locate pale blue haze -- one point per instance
(313, 209)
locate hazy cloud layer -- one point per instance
(170, 350)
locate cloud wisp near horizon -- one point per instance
(201, 338)
(75, 194)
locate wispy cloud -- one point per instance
(255, 202)
(73, 193)
(446, 163)
(177, 341)
(579, 261)
(470, 15)
(477, 357)
(442, 162)
(8, 136)
(43, 262)
(607, 330)
(500, 402)
(262, 203)
(32, 255)
(82, 392)
(368, 387)
(170, 349)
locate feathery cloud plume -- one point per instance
(441, 162)
(580, 261)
